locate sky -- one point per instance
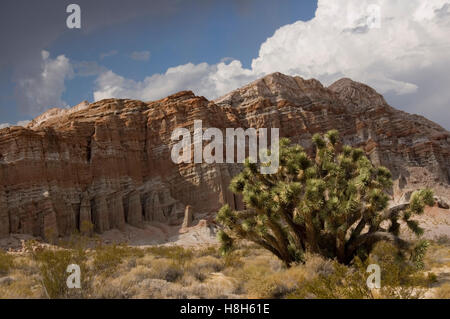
(147, 50)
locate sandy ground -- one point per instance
(201, 234)
(435, 221)
(443, 277)
(162, 234)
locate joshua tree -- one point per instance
(333, 204)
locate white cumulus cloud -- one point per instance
(203, 79)
(20, 123)
(43, 87)
(375, 42)
(401, 48)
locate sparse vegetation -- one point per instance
(119, 271)
(52, 265)
(6, 262)
(399, 279)
(108, 257)
(443, 292)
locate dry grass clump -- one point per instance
(52, 266)
(178, 254)
(166, 270)
(109, 257)
(21, 279)
(201, 268)
(443, 292)
(264, 276)
(437, 264)
(400, 279)
(120, 286)
(438, 255)
(119, 271)
(22, 287)
(6, 262)
(211, 251)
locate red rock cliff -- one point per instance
(109, 162)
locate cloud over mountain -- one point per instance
(394, 46)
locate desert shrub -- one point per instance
(431, 278)
(179, 255)
(25, 265)
(253, 277)
(6, 262)
(443, 292)
(396, 269)
(311, 203)
(172, 273)
(208, 262)
(208, 251)
(108, 257)
(125, 285)
(202, 267)
(21, 287)
(276, 285)
(166, 269)
(220, 288)
(344, 282)
(171, 262)
(400, 278)
(263, 276)
(53, 265)
(232, 260)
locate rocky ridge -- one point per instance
(108, 163)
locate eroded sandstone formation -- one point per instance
(188, 217)
(108, 163)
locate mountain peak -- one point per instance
(357, 96)
(274, 87)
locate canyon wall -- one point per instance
(109, 163)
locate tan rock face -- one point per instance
(109, 163)
(188, 217)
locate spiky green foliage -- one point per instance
(332, 204)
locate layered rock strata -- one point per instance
(109, 163)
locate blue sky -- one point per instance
(190, 31)
(148, 49)
(191, 34)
